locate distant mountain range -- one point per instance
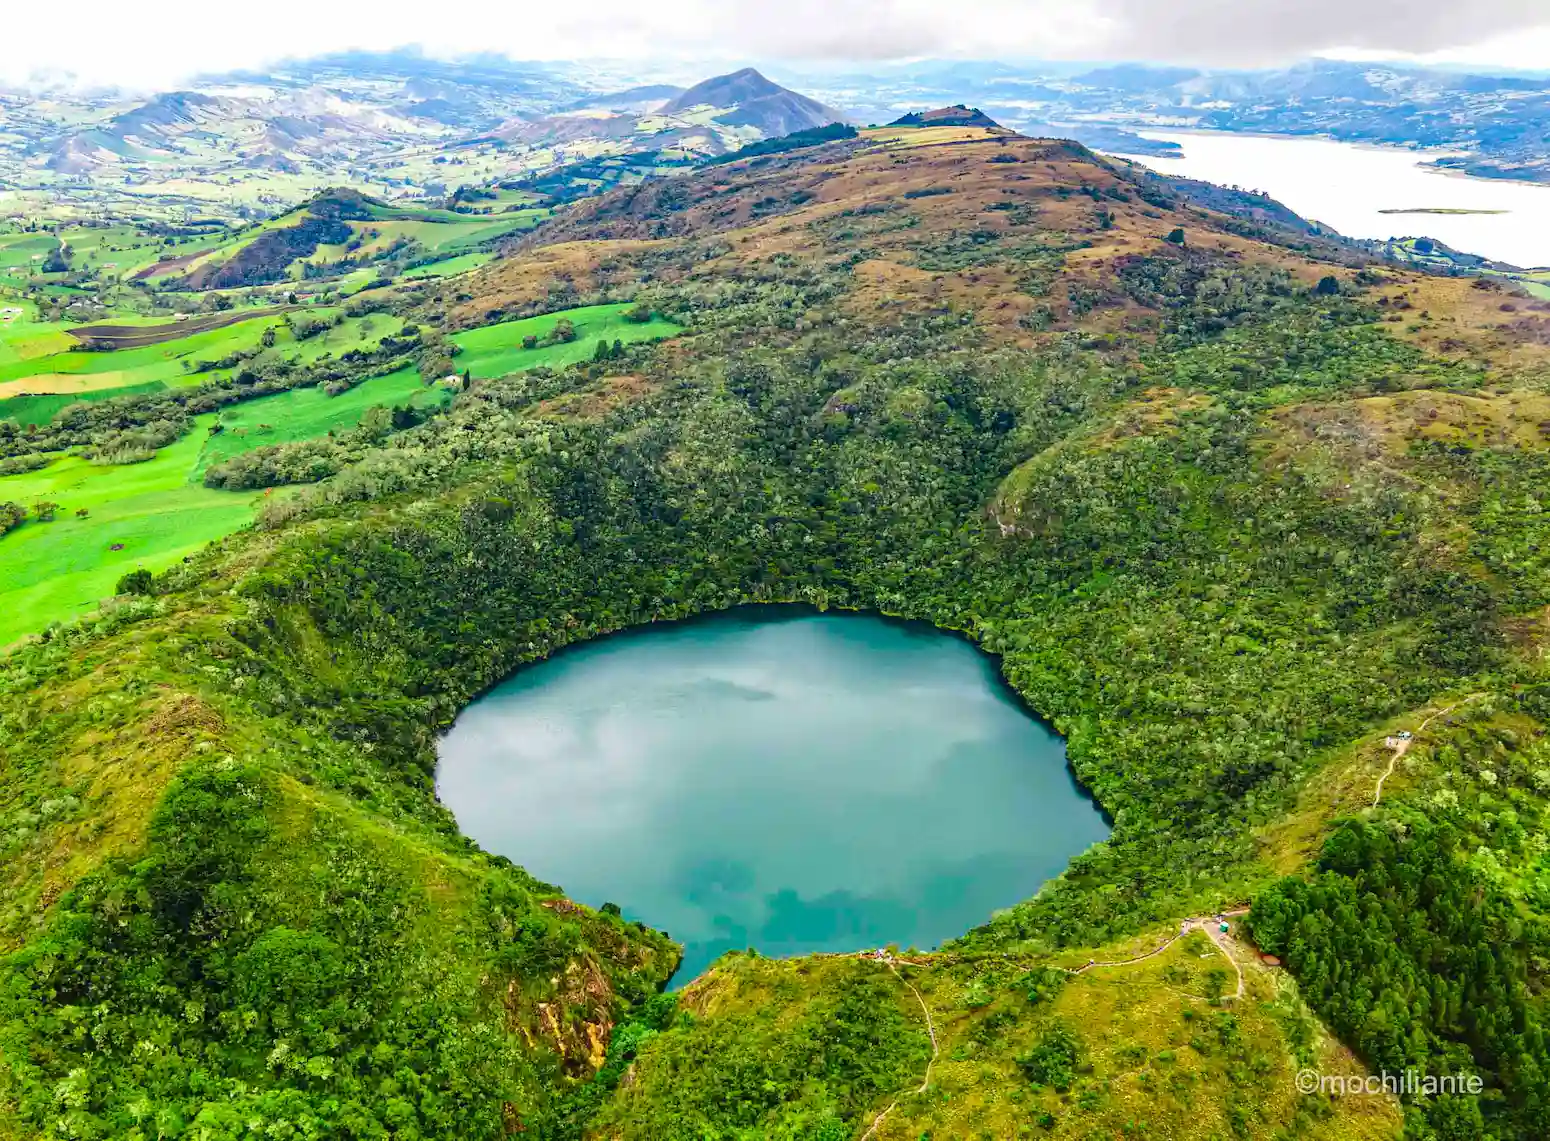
(395, 125)
(400, 125)
(1500, 123)
(706, 120)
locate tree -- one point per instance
(44, 510)
(377, 422)
(435, 364)
(639, 313)
(1328, 286)
(1176, 236)
(530, 341)
(564, 332)
(135, 582)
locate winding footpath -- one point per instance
(1211, 925)
(1403, 746)
(930, 1029)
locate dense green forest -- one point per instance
(1130, 497)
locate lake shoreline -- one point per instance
(782, 776)
(1355, 188)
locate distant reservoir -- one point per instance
(1349, 185)
(772, 778)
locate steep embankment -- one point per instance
(1189, 490)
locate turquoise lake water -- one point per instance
(772, 778)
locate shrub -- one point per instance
(135, 582)
(1052, 1061)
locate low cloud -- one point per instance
(1246, 32)
(1222, 32)
(178, 40)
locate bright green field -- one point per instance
(17, 250)
(497, 350)
(43, 408)
(461, 264)
(98, 376)
(54, 572)
(160, 511)
(162, 362)
(307, 413)
(26, 338)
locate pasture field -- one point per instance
(22, 251)
(117, 251)
(496, 350)
(350, 333)
(307, 413)
(453, 266)
(40, 408)
(94, 371)
(436, 231)
(24, 337)
(36, 384)
(55, 572)
(504, 200)
(159, 511)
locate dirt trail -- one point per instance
(1404, 744)
(930, 1029)
(1209, 924)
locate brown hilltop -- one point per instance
(957, 116)
(1033, 236)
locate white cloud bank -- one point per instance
(160, 42)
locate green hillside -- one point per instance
(142, 515)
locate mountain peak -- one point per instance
(728, 90)
(751, 100)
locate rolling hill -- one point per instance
(958, 116)
(338, 232)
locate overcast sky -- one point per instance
(160, 42)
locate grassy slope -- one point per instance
(56, 571)
(451, 267)
(25, 338)
(94, 370)
(40, 409)
(497, 349)
(53, 379)
(306, 413)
